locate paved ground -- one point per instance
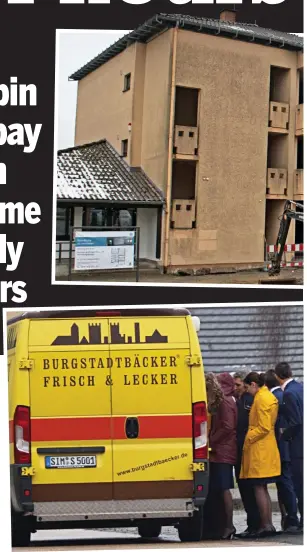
(154, 276)
(69, 540)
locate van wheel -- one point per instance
(149, 530)
(191, 530)
(21, 531)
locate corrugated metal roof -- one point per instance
(251, 338)
(96, 172)
(241, 31)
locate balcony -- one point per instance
(185, 141)
(277, 182)
(279, 118)
(298, 184)
(183, 213)
(299, 123)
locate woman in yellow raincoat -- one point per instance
(260, 460)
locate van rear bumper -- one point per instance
(113, 510)
(21, 490)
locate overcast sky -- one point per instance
(76, 48)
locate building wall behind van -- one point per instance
(251, 338)
(12, 314)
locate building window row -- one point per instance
(93, 216)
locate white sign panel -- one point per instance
(104, 250)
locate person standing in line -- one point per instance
(223, 446)
(284, 484)
(244, 403)
(293, 411)
(212, 525)
(261, 460)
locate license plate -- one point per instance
(70, 462)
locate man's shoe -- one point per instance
(292, 529)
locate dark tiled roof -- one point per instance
(242, 31)
(97, 172)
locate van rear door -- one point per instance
(151, 407)
(70, 400)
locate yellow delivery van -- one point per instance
(108, 422)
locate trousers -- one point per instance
(249, 501)
(286, 493)
(298, 483)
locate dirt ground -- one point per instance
(251, 277)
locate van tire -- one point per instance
(191, 530)
(149, 530)
(21, 531)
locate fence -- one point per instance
(289, 248)
(62, 251)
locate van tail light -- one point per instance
(22, 431)
(200, 431)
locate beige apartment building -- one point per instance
(212, 111)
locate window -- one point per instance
(301, 87)
(127, 82)
(186, 106)
(124, 217)
(124, 148)
(64, 219)
(279, 84)
(108, 216)
(184, 180)
(97, 217)
(300, 153)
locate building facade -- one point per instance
(213, 113)
(247, 338)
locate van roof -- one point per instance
(107, 313)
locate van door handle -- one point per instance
(132, 428)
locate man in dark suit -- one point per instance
(284, 484)
(244, 402)
(293, 411)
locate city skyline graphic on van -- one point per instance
(95, 338)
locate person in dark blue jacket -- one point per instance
(244, 403)
(293, 411)
(284, 484)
